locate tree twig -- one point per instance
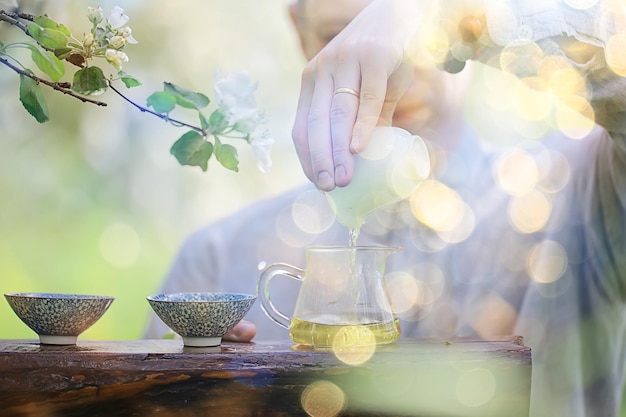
(159, 115)
(13, 19)
(62, 87)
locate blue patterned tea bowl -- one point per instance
(201, 318)
(58, 319)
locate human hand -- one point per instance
(244, 331)
(368, 60)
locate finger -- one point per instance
(244, 331)
(373, 91)
(343, 113)
(319, 136)
(386, 114)
(397, 85)
(299, 132)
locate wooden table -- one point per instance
(163, 378)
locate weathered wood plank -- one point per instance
(161, 377)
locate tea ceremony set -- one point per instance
(345, 356)
(363, 370)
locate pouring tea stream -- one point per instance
(342, 299)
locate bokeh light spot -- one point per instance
(312, 214)
(547, 262)
(530, 212)
(354, 345)
(566, 82)
(120, 245)
(521, 58)
(437, 206)
(516, 172)
(554, 171)
(404, 291)
(323, 399)
(463, 229)
(495, 316)
(575, 117)
(475, 387)
(532, 102)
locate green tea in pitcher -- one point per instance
(322, 334)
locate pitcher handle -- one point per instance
(263, 289)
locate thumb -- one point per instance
(244, 331)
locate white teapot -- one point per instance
(394, 163)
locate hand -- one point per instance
(368, 57)
(244, 331)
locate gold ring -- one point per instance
(347, 90)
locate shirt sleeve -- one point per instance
(547, 22)
(542, 19)
(602, 187)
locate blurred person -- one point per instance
(526, 239)
(271, 231)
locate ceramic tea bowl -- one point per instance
(201, 318)
(58, 319)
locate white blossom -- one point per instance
(117, 18)
(234, 95)
(117, 42)
(116, 58)
(127, 34)
(262, 147)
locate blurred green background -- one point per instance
(92, 201)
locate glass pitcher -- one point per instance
(342, 293)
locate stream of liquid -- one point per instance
(354, 235)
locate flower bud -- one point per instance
(95, 14)
(88, 41)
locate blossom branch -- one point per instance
(62, 87)
(12, 18)
(164, 117)
(236, 111)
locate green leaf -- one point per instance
(32, 99)
(218, 122)
(48, 38)
(192, 149)
(162, 102)
(46, 22)
(227, 156)
(47, 62)
(129, 80)
(89, 81)
(187, 98)
(62, 53)
(204, 123)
